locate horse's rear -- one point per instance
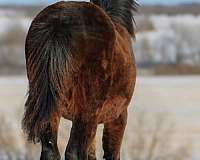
(81, 67)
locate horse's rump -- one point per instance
(65, 39)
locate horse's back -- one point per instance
(68, 62)
(89, 76)
(100, 71)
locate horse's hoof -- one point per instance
(49, 156)
(71, 156)
(92, 157)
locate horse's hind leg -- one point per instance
(49, 140)
(81, 137)
(112, 137)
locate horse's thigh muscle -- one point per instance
(112, 137)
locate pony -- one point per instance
(80, 66)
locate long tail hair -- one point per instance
(48, 52)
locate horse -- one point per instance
(80, 66)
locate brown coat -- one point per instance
(80, 66)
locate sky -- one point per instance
(26, 2)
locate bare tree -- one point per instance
(153, 138)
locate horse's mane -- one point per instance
(120, 11)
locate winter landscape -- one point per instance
(164, 113)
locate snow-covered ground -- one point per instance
(172, 39)
(177, 97)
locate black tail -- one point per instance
(121, 11)
(47, 52)
(58, 34)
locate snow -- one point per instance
(172, 36)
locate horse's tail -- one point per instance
(58, 35)
(47, 54)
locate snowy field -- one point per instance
(169, 40)
(176, 97)
(164, 115)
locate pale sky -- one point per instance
(24, 2)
